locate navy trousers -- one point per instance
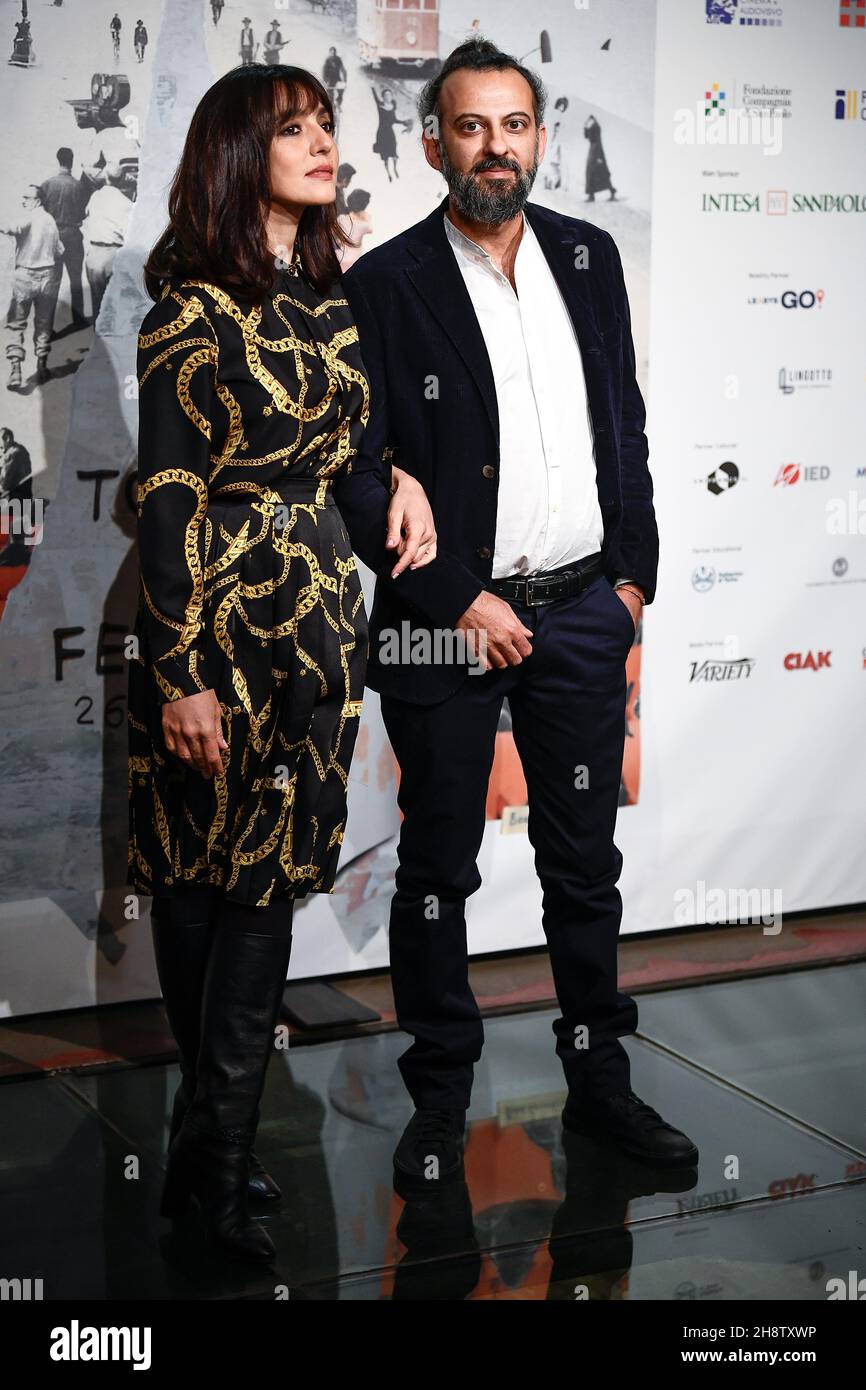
(567, 704)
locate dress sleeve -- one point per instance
(176, 367)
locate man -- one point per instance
(497, 338)
(35, 282)
(65, 198)
(108, 214)
(335, 78)
(248, 45)
(274, 42)
(139, 39)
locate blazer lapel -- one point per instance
(437, 278)
(560, 248)
(575, 285)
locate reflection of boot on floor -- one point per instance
(209, 1158)
(181, 951)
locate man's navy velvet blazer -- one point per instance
(433, 412)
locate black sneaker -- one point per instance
(430, 1152)
(633, 1125)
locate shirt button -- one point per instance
(484, 552)
(488, 471)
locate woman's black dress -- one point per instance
(385, 144)
(248, 586)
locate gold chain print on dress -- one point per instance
(248, 587)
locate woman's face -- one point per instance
(303, 160)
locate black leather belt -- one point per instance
(534, 589)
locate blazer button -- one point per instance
(484, 552)
(488, 471)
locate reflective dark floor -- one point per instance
(765, 1075)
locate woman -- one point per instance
(385, 145)
(356, 223)
(245, 698)
(597, 173)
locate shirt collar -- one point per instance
(470, 248)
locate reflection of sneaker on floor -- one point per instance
(14, 382)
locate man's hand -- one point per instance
(411, 531)
(632, 597)
(193, 732)
(507, 640)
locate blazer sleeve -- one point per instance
(176, 366)
(638, 548)
(441, 590)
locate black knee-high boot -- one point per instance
(181, 946)
(209, 1158)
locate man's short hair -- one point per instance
(65, 156)
(479, 55)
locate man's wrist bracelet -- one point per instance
(638, 595)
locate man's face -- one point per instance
(489, 146)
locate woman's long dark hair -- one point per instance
(218, 203)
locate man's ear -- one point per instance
(542, 142)
(432, 152)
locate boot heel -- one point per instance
(176, 1193)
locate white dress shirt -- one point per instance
(548, 512)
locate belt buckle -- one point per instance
(530, 601)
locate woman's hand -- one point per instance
(193, 732)
(411, 531)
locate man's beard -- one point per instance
(490, 200)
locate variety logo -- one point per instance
(790, 473)
(850, 105)
(799, 378)
(811, 661)
(710, 670)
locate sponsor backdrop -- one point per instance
(732, 131)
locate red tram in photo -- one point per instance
(404, 32)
